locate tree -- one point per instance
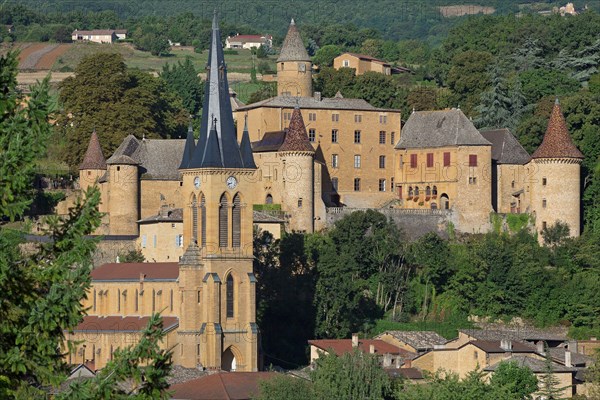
(329, 81)
(265, 91)
(495, 107)
(182, 78)
(593, 376)
(519, 381)
(325, 55)
(548, 382)
(377, 89)
(286, 387)
(106, 96)
(132, 256)
(555, 234)
(468, 77)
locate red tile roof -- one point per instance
(342, 346)
(221, 386)
(295, 137)
(94, 158)
(132, 271)
(122, 324)
(249, 38)
(557, 142)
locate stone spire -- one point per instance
(217, 115)
(246, 147)
(94, 158)
(190, 146)
(296, 138)
(293, 48)
(557, 142)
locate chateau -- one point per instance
(191, 205)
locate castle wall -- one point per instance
(123, 199)
(159, 242)
(151, 191)
(294, 79)
(513, 179)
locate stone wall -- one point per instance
(415, 223)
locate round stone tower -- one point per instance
(93, 166)
(123, 195)
(297, 156)
(556, 177)
(294, 68)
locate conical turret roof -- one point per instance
(557, 142)
(246, 147)
(293, 49)
(295, 137)
(188, 150)
(217, 145)
(94, 158)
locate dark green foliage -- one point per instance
(152, 38)
(519, 381)
(132, 256)
(106, 96)
(286, 387)
(325, 55)
(555, 234)
(182, 79)
(266, 91)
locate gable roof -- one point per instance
(170, 215)
(160, 271)
(520, 333)
(420, 340)
(221, 386)
(293, 48)
(534, 364)
(342, 346)
(439, 129)
(325, 103)
(506, 149)
(102, 32)
(296, 138)
(557, 142)
(494, 346)
(94, 157)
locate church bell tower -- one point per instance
(217, 324)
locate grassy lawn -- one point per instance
(447, 329)
(244, 89)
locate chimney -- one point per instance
(387, 360)
(568, 362)
(506, 345)
(164, 210)
(372, 348)
(355, 340)
(317, 96)
(539, 347)
(572, 346)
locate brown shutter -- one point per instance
(446, 159)
(472, 160)
(236, 221)
(429, 160)
(413, 161)
(223, 211)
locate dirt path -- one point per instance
(47, 60)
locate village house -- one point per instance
(248, 41)
(97, 36)
(362, 63)
(413, 341)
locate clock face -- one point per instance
(197, 182)
(231, 182)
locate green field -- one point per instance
(241, 62)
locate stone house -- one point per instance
(413, 341)
(97, 36)
(248, 41)
(362, 63)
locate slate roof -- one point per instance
(325, 103)
(493, 346)
(296, 138)
(94, 158)
(408, 373)
(342, 346)
(173, 215)
(259, 216)
(293, 48)
(217, 145)
(557, 142)
(221, 386)
(513, 334)
(420, 340)
(558, 354)
(271, 141)
(426, 129)
(506, 149)
(95, 323)
(158, 271)
(534, 364)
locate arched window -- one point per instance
(194, 219)
(229, 296)
(434, 192)
(427, 191)
(410, 192)
(236, 222)
(269, 199)
(416, 191)
(223, 225)
(445, 201)
(433, 206)
(203, 217)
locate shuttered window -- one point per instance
(472, 160)
(413, 161)
(229, 296)
(236, 221)
(203, 216)
(194, 219)
(446, 159)
(223, 211)
(429, 160)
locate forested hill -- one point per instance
(395, 19)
